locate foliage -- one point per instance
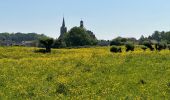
(19, 37)
(142, 39)
(148, 44)
(144, 47)
(157, 36)
(47, 42)
(115, 49)
(103, 42)
(118, 41)
(59, 43)
(79, 37)
(129, 47)
(161, 45)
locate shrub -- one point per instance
(160, 46)
(144, 48)
(148, 44)
(118, 41)
(130, 47)
(115, 49)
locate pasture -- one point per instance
(85, 73)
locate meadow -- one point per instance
(83, 74)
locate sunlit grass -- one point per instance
(84, 73)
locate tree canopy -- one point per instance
(47, 42)
(79, 37)
(157, 36)
(19, 37)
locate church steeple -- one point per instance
(63, 22)
(63, 29)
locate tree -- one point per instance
(59, 43)
(129, 47)
(142, 39)
(19, 38)
(79, 37)
(161, 45)
(148, 44)
(122, 41)
(115, 49)
(156, 36)
(47, 42)
(118, 41)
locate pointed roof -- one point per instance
(63, 22)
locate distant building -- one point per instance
(63, 29)
(81, 24)
(88, 31)
(29, 43)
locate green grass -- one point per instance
(86, 73)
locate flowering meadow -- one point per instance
(83, 74)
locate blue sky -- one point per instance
(106, 18)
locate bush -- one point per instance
(144, 48)
(115, 42)
(148, 44)
(118, 41)
(160, 46)
(115, 49)
(130, 47)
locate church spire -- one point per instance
(63, 22)
(63, 29)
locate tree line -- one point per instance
(157, 41)
(20, 37)
(155, 38)
(78, 37)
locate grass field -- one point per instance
(86, 73)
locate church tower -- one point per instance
(81, 24)
(63, 29)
